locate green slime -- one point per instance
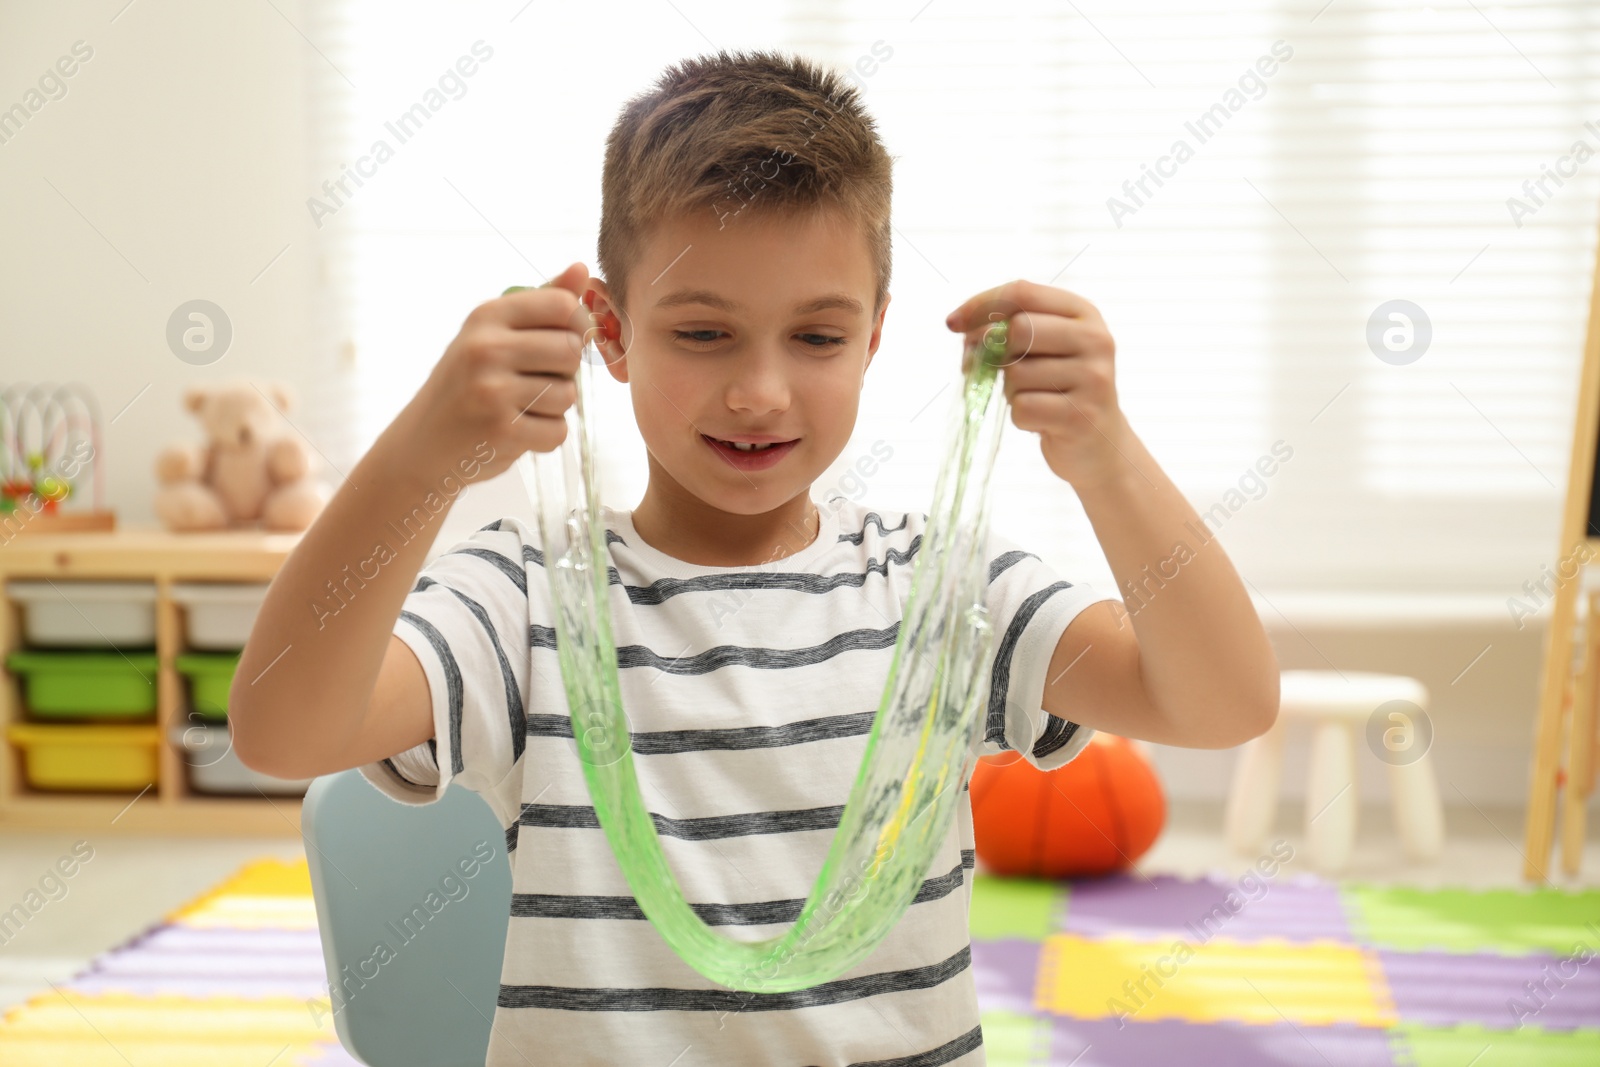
(918, 753)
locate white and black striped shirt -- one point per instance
(750, 692)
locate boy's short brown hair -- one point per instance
(734, 132)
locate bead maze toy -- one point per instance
(49, 438)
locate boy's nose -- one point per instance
(758, 386)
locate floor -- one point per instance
(129, 883)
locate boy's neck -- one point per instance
(673, 521)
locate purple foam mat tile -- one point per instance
(1004, 973)
(200, 964)
(1502, 992)
(1291, 908)
(199, 988)
(223, 939)
(1098, 1043)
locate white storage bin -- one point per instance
(215, 768)
(64, 613)
(219, 615)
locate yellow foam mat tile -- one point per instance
(116, 1030)
(93, 1051)
(251, 913)
(262, 880)
(120, 1017)
(1317, 983)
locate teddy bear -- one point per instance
(248, 472)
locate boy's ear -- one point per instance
(608, 328)
(877, 331)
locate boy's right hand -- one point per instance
(506, 380)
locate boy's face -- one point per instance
(756, 333)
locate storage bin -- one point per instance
(74, 614)
(218, 616)
(99, 685)
(210, 674)
(215, 768)
(87, 757)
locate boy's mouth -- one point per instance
(751, 446)
(750, 455)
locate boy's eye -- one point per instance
(811, 338)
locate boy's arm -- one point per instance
(1195, 668)
(323, 684)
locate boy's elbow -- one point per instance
(1241, 718)
(1263, 721)
(254, 742)
(248, 743)
(1263, 713)
(1255, 710)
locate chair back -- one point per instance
(412, 904)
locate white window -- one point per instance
(1336, 160)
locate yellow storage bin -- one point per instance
(88, 757)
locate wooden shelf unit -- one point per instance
(163, 558)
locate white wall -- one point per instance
(1482, 715)
(176, 167)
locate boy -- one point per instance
(744, 241)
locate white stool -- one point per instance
(1342, 707)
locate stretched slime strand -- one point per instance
(904, 798)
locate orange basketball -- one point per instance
(1099, 813)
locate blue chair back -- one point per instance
(413, 904)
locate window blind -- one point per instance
(1244, 190)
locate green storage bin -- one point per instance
(99, 685)
(210, 676)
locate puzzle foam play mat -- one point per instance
(232, 979)
(1108, 973)
(1150, 970)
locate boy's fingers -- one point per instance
(548, 350)
(984, 316)
(573, 279)
(544, 396)
(557, 303)
(541, 307)
(1020, 295)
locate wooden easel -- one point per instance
(1568, 689)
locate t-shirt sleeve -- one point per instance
(1030, 607)
(466, 619)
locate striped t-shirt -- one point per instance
(750, 692)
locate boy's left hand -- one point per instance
(1058, 375)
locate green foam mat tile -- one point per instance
(1418, 1046)
(1508, 921)
(1011, 1039)
(1014, 907)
